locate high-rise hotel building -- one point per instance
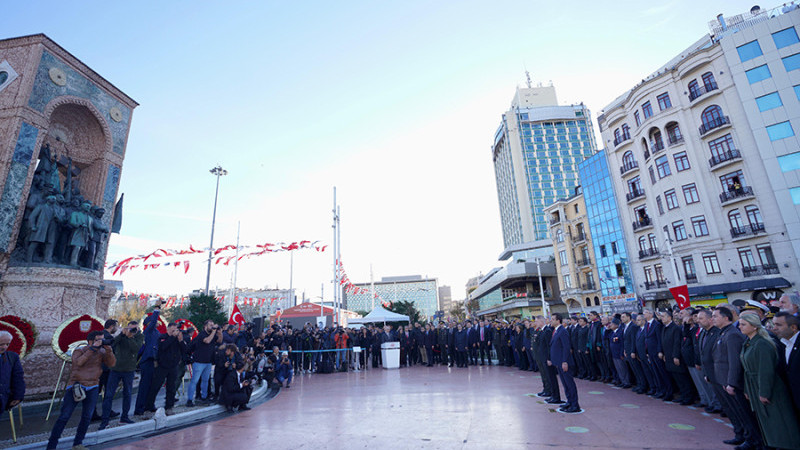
(705, 158)
(536, 150)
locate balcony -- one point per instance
(628, 166)
(728, 155)
(766, 269)
(642, 223)
(655, 284)
(656, 146)
(713, 124)
(700, 91)
(691, 278)
(579, 237)
(736, 194)
(648, 253)
(588, 287)
(621, 139)
(675, 140)
(631, 196)
(555, 221)
(747, 230)
(583, 262)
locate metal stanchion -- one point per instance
(55, 391)
(19, 410)
(13, 428)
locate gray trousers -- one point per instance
(703, 388)
(622, 371)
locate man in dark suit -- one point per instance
(595, 347)
(707, 340)
(536, 346)
(236, 389)
(617, 348)
(485, 341)
(787, 328)
(429, 340)
(649, 382)
(730, 378)
(472, 343)
(629, 330)
(652, 340)
(12, 377)
(671, 338)
(561, 359)
(582, 353)
(551, 372)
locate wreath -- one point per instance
(185, 324)
(72, 333)
(27, 328)
(18, 345)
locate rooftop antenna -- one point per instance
(528, 78)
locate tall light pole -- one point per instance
(218, 172)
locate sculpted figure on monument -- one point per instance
(47, 170)
(98, 235)
(44, 224)
(81, 222)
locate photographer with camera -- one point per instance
(202, 351)
(109, 330)
(83, 386)
(237, 388)
(171, 350)
(147, 357)
(284, 371)
(126, 347)
(224, 360)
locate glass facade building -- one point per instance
(608, 239)
(536, 151)
(423, 293)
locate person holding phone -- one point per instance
(126, 349)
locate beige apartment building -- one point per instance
(708, 161)
(574, 254)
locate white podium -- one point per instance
(390, 355)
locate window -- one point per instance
(791, 62)
(797, 92)
(688, 267)
(780, 131)
(626, 131)
(679, 229)
(647, 109)
(789, 162)
(785, 38)
(617, 136)
(660, 206)
(567, 282)
(664, 101)
(671, 198)
(634, 187)
(733, 180)
(603, 251)
(749, 51)
(681, 162)
(656, 142)
(690, 194)
(659, 272)
(769, 101)
(711, 263)
(562, 256)
(746, 257)
(560, 235)
(648, 275)
(708, 81)
(613, 248)
(795, 192)
(757, 74)
(721, 147)
(753, 215)
(643, 243)
(576, 209)
(674, 133)
(735, 219)
(765, 254)
(711, 116)
(699, 226)
(652, 175)
(651, 240)
(662, 164)
(637, 118)
(628, 160)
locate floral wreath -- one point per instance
(185, 324)
(18, 345)
(73, 332)
(28, 329)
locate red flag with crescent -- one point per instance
(681, 294)
(236, 316)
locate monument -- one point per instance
(63, 133)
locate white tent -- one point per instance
(379, 314)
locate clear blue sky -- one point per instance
(396, 103)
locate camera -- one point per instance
(108, 342)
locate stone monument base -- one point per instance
(47, 296)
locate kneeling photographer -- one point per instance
(283, 372)
(237, 388)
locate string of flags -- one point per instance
(350, 288)
(162, 258)
(252, 301)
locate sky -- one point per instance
(393, 103)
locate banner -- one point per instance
(681, 294)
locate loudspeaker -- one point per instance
(258, 324)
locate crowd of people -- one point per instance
(741, 364)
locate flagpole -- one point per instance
(235, 266)
(339, 250)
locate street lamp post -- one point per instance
(218, 172)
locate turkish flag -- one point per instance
(236, 316)
(681, 294)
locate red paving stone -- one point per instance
(440, 408)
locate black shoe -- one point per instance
(103, 425)
(573, 410)
(190, 404)
(651, 392)
(746, 446)
(667, 398)
(244, 408)
(228, 409)
(114, 414)
(96, 417)
(125, 420)
(626, 386)
(687, 402)
(553, 401)
(735, 441)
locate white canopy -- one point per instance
(379, 314)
